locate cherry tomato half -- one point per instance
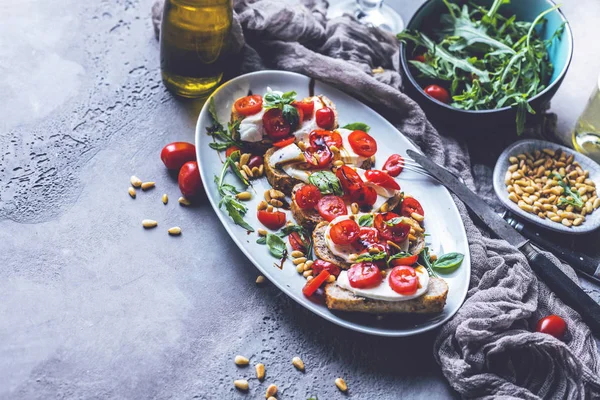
(190, 183)
(325, 118)
(311, 286)
(175, 154)
(552, 325)
(276, 127)
(364, 275)
(367, 238)
(321, 137)
(330, 207)
(307, 196)
(438, 93)
(307, 107)
(382, 179)
(365, 197)
(344, 232)
(350, 180)
(394, 165)
(284, 142)
(411, 205)
(397, 232)
(272, 220)
(362, 143)
(248, 105)
(419, 58)
(408, 260)
(255, 161)
(296, 242)
(320, 265)
(231, 149)
(318, 156)
(404, 280)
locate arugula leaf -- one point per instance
(218, 132)
(449, 262)
(304, 236)
(236, 211)
(365, 220)
(425, 261)
(572, 197)
(327, 182)
(367, 257)
(233, 206)
(276, 245)
(394, 221)
(357, 126)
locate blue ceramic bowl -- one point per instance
(500, 120)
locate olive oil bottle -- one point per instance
(194, 37)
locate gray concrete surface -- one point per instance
(93, 306)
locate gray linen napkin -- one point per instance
(487, 350)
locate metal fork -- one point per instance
(413, 166)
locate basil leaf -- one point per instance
(367, 257)
(397, 256)
(290, 114)
(449, 261)
(288, 97)
(272, 98)
(276, 245)
(262, 240)
(425, 261)
(357, 126)
(394, 221)
(327, 182)
(365, 220)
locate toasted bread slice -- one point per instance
(307, 218)
(431, 302)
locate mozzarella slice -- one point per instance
(348, 155)
(295, 172)
(286, 155)
(251, 128)
(342, 251)
(309, 125)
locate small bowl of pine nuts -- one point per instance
(549, 185)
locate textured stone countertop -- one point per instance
(93, 306)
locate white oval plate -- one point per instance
(592, 221)
(442, 220)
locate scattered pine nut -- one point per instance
(247, 170)
(307, 273)
(174, 231)
(300, 268)
(183, 201)
(354, 208)
(260, 279)
(261, 170)
(135, 181)
(270, 209)
(271, 391)
(338, 163)
(331, 278)
(417, 217)
(165, 198)
(297, 254)
(309, 263)
(299, 260)
(148, 185)
(341, 384)
(132, 192)
(260, 371)
(149, 223)
(261, 232)
(384, 207)
(244, 196)
(244, 158)
(241, 360)
(241, 384)
(276, 203)
(298, 363)
(262, 206)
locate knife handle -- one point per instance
(567, 290)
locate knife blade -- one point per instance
(567, 290)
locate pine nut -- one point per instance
(261, 170)
(262, 205)
(135, 181)
(549, 152)
(245, 196)
(341, 384)
(132, 192)
(354, 208)
(596, 203)
(297, 253)
(244, 174)
(417, 217)
(566, 222)
(298, 363)
(555, 218)
(149, 223)
(299, 260)
(276, 203)
(525, 207)
(247, 170)
(147, 185)
(276, 194)
(300, 268)
(331, 278)
(256, 172)
(513, 197)
(334, 149)
(271, 391)
(513, 168)
(508, 178)
(577, 221)
(306, 267)
(310, 263)
(267, 196)
(308, 273)
(241, 384)
(261, 232)
(244, 158)
(517, 175)
(165, 198)
(260, 371)
(183, 201)
(338, 163)
(513, 160)
(174, 231)
(241, 360)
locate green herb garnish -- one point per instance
(276, 245)
(572, 197)
(365, 220)
(304, 236)
(448, 262)
(283, 102)
(402, 254)
(425, 261)
(327, 182)
(234, 207)
(218, 132)
(357, 126)
(367, 257)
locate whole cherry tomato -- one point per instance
(276, 127)
(438, 93)
(552, 325)
(272, 220)
(296, 242)
(248, 105)
(394, 165)
(364, 275)
(231, 149)
(307, 107)
(382, 179)
(362, 143)
(307, 196)
(311, 286)
(408, 260)
(325, 118)
(320, 265)
(328, 138)
(190, 183)
(411, 205)
(330, 207)
(175, 154)
(391, 227)
(255, 161)
(344, 232)
(419, 58)
(404, 280)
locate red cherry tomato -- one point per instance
(296, 242)
(330, 207)
(552, 325)
(284, 142)
(272, 220)
(175, 154)
(404, 280)
(189, 180)
(276, 127)
(411, 205)
(328, 138)
(325, 118)
(350, 180)
(419, 58)
(307, 107)
(255, 161)
(397, 232)
(320, 265)
(311, 286)
(367, 238)
(408, 260)
(364, 275)
(365, 197)
(438, 93)
(248, 105)
(318, 156)
(231, 149)
(307, 196)
(344, 232)
(362, 143)
(382, 179)
(394, 165)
